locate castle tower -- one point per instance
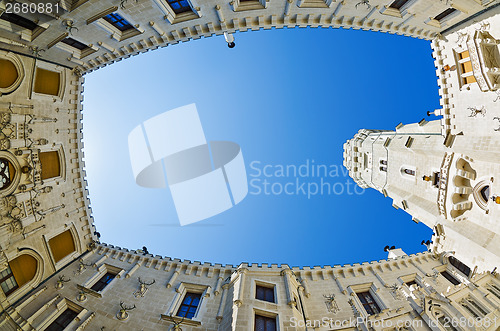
(444, 184)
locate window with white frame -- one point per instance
(397, 7)
(187, 303)
(366, 299)
(464, 68)
(27, 29)
(62, 315)
(265, 321)
(265, 292)
(77, 48)
(177, 11)
(101, 280)
(116, 23)
(50, 80)
(440, 19)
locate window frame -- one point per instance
(266, 314)
(116, 33)
(461, 74)
(174, 18)
(402, 11)
(266, 286)
(70, 257)
(23, 32)
(433, 21)
(62, 165)
(181, 290)
(62, 81)
(101, 271)
(353, 290)
(75, 52)
(61, 306)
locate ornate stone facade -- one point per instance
(55, 274)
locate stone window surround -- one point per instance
(172, 17)
(266, 313)
(76, 53)
(387, 10)
(62, 81)
(76, 241)
(366, 287)
(60, 307)
(24, 34)
(443, 22)
(115, 32)
(314, 3)
(239, 5)
(460, 74)
(101, 271)
(62, 161)
(257, 282)
(181, 291)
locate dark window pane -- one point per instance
(444, 14)
(411, 283)
(179, 6)
(460, 266)
(368, 303)
(62, 320)
(118, 22)
(450, 278)
(103, 282)
(398, 4)
(74, 43)
(264, 323)
(189, 305)
(19, 20)
(265, 293)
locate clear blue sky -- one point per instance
(287, 97)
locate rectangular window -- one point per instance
(118, 22)
(459, 265)
(74, 43)
(464, 65)
(450, 278)
(62, 321)
(7, 281)
(179, 6)
(368, 302)
(50, 164)
(264, 323)
(410, 283)
(397, 4)
(62, 245)
(47, 82)
(103, 282)
(445, 14)
(189, 305)
(19, 20)
(265, 293)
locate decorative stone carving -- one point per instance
(331, 303)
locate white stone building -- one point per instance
(55, 275)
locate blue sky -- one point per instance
(288, 97)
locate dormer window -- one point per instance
(447, 14)
(397, 4)
(179, 6)
(74, 43)
(118, 22)
(19, 20)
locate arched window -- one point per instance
(62, 245)
(7, 173)
(485, 193)
(9, 73)
(20, 271)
